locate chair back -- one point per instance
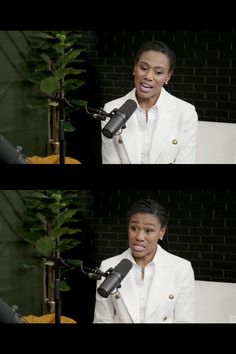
(216, 143)
(215, 302)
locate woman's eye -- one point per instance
(148, 231)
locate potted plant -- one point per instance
(55, 66)
(50, 219)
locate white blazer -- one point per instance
(171, 297)
(175, 134)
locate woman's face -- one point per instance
(151, 72)
(144, 231)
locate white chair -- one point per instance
(216, 143)
(215, 302)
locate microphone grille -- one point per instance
(128, 108)
(123, 267)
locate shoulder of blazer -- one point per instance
(169, 259)
(175, 100)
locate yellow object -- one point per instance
(50, 318)
(51, 159)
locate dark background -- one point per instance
(205, 76)
(202, 229)
(220, 180)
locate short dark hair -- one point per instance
(157, 47)
(150, 206)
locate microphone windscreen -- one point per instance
(114, 278)
(119, 118)
(123, 267)
(128, 108)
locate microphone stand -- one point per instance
(62, 102)
(57, 287)
(62, 135)
(100, 114)
(95, 113)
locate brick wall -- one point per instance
(202, 227)
(205, 74)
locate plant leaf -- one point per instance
(50, 85)
(45, 245)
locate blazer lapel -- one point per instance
(156, 294)
(158, 286)
(130, 297)
(131, 140)
(167, 119)
(128, 290)
(128, 143)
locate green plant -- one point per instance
(50, 218)
(55, 66)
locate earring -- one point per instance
(166, 82)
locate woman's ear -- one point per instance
(163, 232)
(169, 76)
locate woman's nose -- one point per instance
(140, 235)
(149, 75)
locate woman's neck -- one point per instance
(147, 103)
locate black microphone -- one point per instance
(119, 118)
(7, 314)
(8, 154)
(115, 277)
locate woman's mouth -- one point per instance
(145, 87)
(138, 248)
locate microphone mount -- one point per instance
(95, 273)
(100, 113)
(103, 115)
(95, 113)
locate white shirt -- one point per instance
(146, 125)
(143, 286)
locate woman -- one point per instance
(160, 286)
(163, 128)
